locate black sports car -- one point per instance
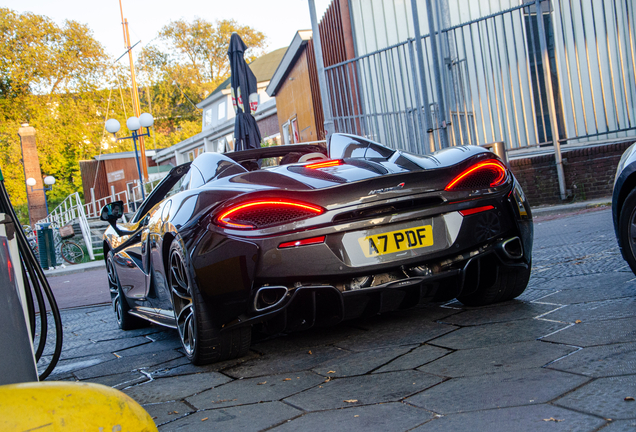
(624, 206)
(296, 236)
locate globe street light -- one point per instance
(134, 124)
(48, 181)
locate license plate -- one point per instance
(397, 241)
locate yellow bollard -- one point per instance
(69, 406)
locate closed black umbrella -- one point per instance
(244, 97)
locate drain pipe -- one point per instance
(551, 107)
(322, 81)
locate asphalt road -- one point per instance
(80, 289)
(562, 357)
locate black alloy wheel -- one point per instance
(181, 290)
(120, 305)
(202, 339)
(627, 230)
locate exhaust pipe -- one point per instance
(269, 297)
(512, 248)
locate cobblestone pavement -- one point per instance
(560, 358)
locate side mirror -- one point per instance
(111, 213)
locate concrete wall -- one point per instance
(589, 173)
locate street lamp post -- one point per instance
(49, 181)
(134, 124)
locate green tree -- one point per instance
(50, 77)
(186, 64)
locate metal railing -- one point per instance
(495, 72)
(70, 210)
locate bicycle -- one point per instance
(65, 249)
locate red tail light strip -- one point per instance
(325, 164)
(226, 218)
(468, 212)
(491, 164)
(303, 242)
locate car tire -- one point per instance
(627, 230)
(201, 338)
(125, 320)
(510, 284)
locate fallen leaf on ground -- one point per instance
(356, 415)
(309, 352)
(287, 379)
(328, 379)
(553, 419)
(629, 398)
(331, 372)
(351, 400)
(261, 383)
(204, 419)
(577, 322)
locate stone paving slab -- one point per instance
(596, 311)
(175, 388)
(104, 347)
(172, 343)
(497, 334)
(506, 389)
(126, 364)
(589, 334)
(255, 390)
(246, 418)
(530, 418)
(393, 331)
(285, 362)
(414, 358)
(597, 293)
(363, 390)
(360, 363)
(168, 411)
(182, 366)
(496, 359)
(121, 381)
(605, 397)
(392, 417)
(621, 426)
(100, 336)
(593, 282)
(66, 368)
(503, 312)
(605, 360)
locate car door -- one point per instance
(133, 257)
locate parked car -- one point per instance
(295, 236)
(624, 206)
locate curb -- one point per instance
(76, 268)
(570, 208)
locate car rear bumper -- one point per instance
(306, 306)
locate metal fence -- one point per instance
(494, 80)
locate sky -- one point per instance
(277, 19)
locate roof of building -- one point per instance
(289, 59)
(262, 67)
(123, 155)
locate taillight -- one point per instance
(483, 175)
(474, 210)
(303, 242)
(324, 164)
(264, 213)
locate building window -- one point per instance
(207, 118)
(221, 112)
(191, 155)
(200, 150)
